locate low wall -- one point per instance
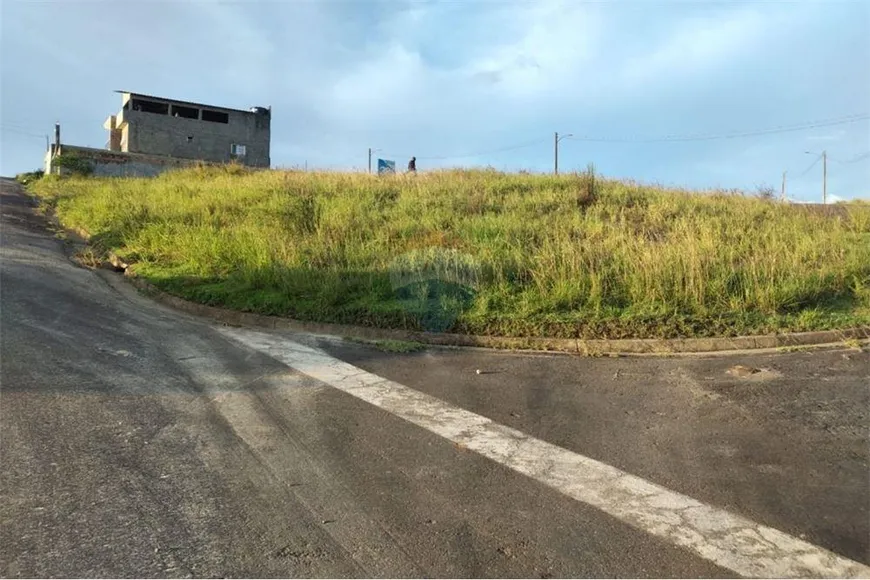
(114, 163)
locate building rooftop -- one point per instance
(180, 102)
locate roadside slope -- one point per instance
(482, 253)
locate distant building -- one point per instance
(159, 126)
(152, 134)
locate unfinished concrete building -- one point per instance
(159, 126)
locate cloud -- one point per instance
(244, 55)
(410, 80)
(831, 136)
(555, 50)
(697, 46)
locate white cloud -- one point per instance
(396, 84)
(245, 54)
(395, 76)
(831, 136)
(555, 52)
(697, 46)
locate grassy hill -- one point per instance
(481, 251)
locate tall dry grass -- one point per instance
(482, 251)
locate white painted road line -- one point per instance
(726, 539)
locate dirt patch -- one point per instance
(753, 373)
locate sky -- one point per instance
(470, 82)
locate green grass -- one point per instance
(481, 251)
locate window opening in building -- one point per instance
(185, 112)
(215, 116)
(237, 150)
(151, 107)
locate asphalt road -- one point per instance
(137, 441)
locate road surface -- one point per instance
(137, 441)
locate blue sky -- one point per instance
(446, 81)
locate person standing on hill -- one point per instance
(412, 165)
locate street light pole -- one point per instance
(556, 153)
(556, 139)
(370, 158)
(824, 157)
(824, 177)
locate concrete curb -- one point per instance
(564, 345)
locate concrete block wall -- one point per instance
(129, 169)
(114, 164)
(158, 134)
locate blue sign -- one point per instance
(386, 166)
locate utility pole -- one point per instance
(556, 140)
(556, 153)
(824, 157)
(824, 177)
(782, 194)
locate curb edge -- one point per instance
(584, 347)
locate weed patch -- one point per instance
(391, 346)
(482, 252)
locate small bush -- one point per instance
(29, 176)
(765, 192)
(74, 164)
